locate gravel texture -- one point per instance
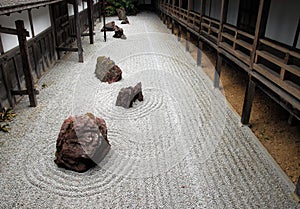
(182, 147)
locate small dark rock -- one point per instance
(126, 21)
(109, 26)
(82, 142)
(128, 95)
(119, 33)
(107, 71)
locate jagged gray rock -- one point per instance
(128, 95)
(107, 71)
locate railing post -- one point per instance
(26, 62)
(91, 20)
(260, 28)
(78, 32)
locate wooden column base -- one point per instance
(248, 101)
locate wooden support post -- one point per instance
(292, 120)
(179, 33)
(1, 45)
(261, 24)
(173, 25)
(31, 23)
(218, 71)
(248, 101)
(26, 62)
(199, 52)
(187, 41)
(53, 26)
(91, 20)
(99, 9)
(103, 8)
(7, 84)
(223, 16)
(78, 32)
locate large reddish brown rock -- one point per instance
(107, 71)
(82, 142)
(128, 95)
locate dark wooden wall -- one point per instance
(43, 55)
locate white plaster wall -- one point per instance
(207, 7)
(11, 41)
(283, 20)
(215, 9)
(41, 19)
(196, 6)
(233, 10)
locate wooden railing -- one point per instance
(274, 66)
(210, 28)
(237, 42)
(279, 65)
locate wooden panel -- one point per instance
(274, 77)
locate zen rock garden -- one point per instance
(82, 142)
(111, 26)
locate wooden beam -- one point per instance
(296, 35)
(78, 31)
(31, 23)
(11, 31)
(248, 101)
(23, 92)
(91, 20)
(69, 49)
(26, 62)
(1, 45)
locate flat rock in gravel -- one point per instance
(128, 95)
(107, 71)
(126, 21)
(82, 142)
(110, 26)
